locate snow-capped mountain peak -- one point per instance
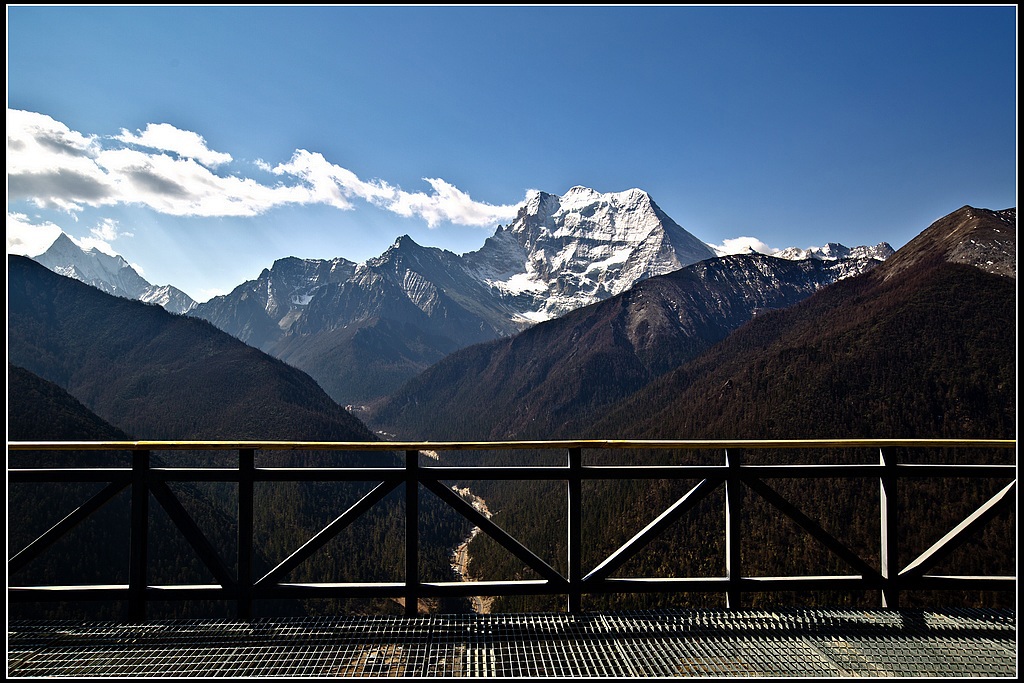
(563, 252)
(111, 274)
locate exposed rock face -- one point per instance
(169, 298)
(261, 311)
(834, 251)
(976, 237)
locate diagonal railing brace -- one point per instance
(193, 534)
(375, 495)
(637, 543)
(73, 519)
(814, 529)
(960, 534)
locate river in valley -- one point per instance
(460, 556)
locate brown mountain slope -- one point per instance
(922, 346)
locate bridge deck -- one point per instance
(797, 642)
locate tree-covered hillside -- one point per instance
(921, 347)
(159, 376)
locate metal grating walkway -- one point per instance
(797, 642)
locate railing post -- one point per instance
(889, 539)
(412, 532)
(138, 556)
(733, 512)
(246, 479)
(575, 530)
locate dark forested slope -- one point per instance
(38, 410)
(159, 376)
(96, 550)
(920, 347)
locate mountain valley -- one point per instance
(638, 337)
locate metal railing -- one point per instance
(143, 479)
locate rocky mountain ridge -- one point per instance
(361, 330)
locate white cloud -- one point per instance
(108, 230)
(184, 143)
(336, 186)
(52, 166)
(449, 203)
(742, 245)
(101, 235)
(328, 183)
(183, 187)
(26, 238)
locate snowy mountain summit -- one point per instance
(563, 252)
(834, 251)
(111, 274)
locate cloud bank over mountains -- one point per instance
(174, 172)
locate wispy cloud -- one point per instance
(336, 186)
(174, 172)
(102, 235)
(52, 165)
(167, 138)
(449, 203)
(328, 183)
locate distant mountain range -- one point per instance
(152, 373)
(547, 378)
(362, 330)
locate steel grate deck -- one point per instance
(667, 643)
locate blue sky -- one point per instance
(203, 143)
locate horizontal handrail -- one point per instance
(509, 473)
(618, 444)
(144, 478)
